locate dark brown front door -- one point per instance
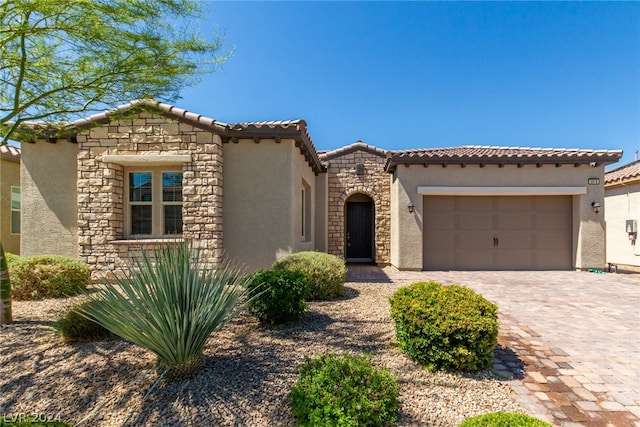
(359, 231)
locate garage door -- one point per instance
(497, 233)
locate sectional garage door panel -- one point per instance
(497, 232)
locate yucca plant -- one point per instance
(169, 302)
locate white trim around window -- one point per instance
(153, 202)
(16, 208)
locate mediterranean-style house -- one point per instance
(10, 198)
(149, 173)
(622, 215)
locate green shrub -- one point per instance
(278, 296)
(11, 258)
(325, 273)
(169, 302)
(445, 327)
(345, 391)
(47, 276)
(74, 327)
(503, 419)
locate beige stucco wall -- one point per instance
(49, 199)
(343, 182)
(406, 228)
(9, 177)
(622, 203)
(262, 201)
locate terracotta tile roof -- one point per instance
(277, 130)
(166, 108)
(476, 154)
(358, 145)
(623, 174)
(68, 128)
(9, 152)
(229, 132)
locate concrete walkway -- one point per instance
(576, 334)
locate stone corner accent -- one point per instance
(101, 204)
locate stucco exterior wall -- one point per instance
(145, 139)
(321, 211)
(9, 177)
(622, 203)
(49, 199)
(302, 176)
(343, 182)
(262, 201)
(588, 227)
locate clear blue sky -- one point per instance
(427, 74)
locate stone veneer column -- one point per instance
(101, 187)
(375, 183)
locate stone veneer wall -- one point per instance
(101, 187)
(375, 183)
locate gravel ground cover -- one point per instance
(248, 370)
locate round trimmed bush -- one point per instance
(503, 419)
(76, 327)
(277, 296)
(344, 391)
(47, 276)
(325, 273)
(445, 327)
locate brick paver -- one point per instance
(571, 339)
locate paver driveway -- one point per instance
(577, 332)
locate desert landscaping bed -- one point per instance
(248, 370)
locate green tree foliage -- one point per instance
(59, 58)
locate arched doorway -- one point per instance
(359, 228)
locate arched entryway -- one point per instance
(359, 229)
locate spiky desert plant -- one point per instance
(5, 290)
(169, 302)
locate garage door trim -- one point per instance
(429, 190)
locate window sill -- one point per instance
(153, 241)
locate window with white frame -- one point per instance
(15, 210)
(154, 202)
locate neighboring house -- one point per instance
(10, 198)
(622, 215)
(150, 173)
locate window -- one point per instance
(154, 203)
(305, 201)
(15, 210)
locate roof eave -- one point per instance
(633, 180)
(298, 133)
(394, 161)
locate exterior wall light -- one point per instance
(411, 207)
(596, 207)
